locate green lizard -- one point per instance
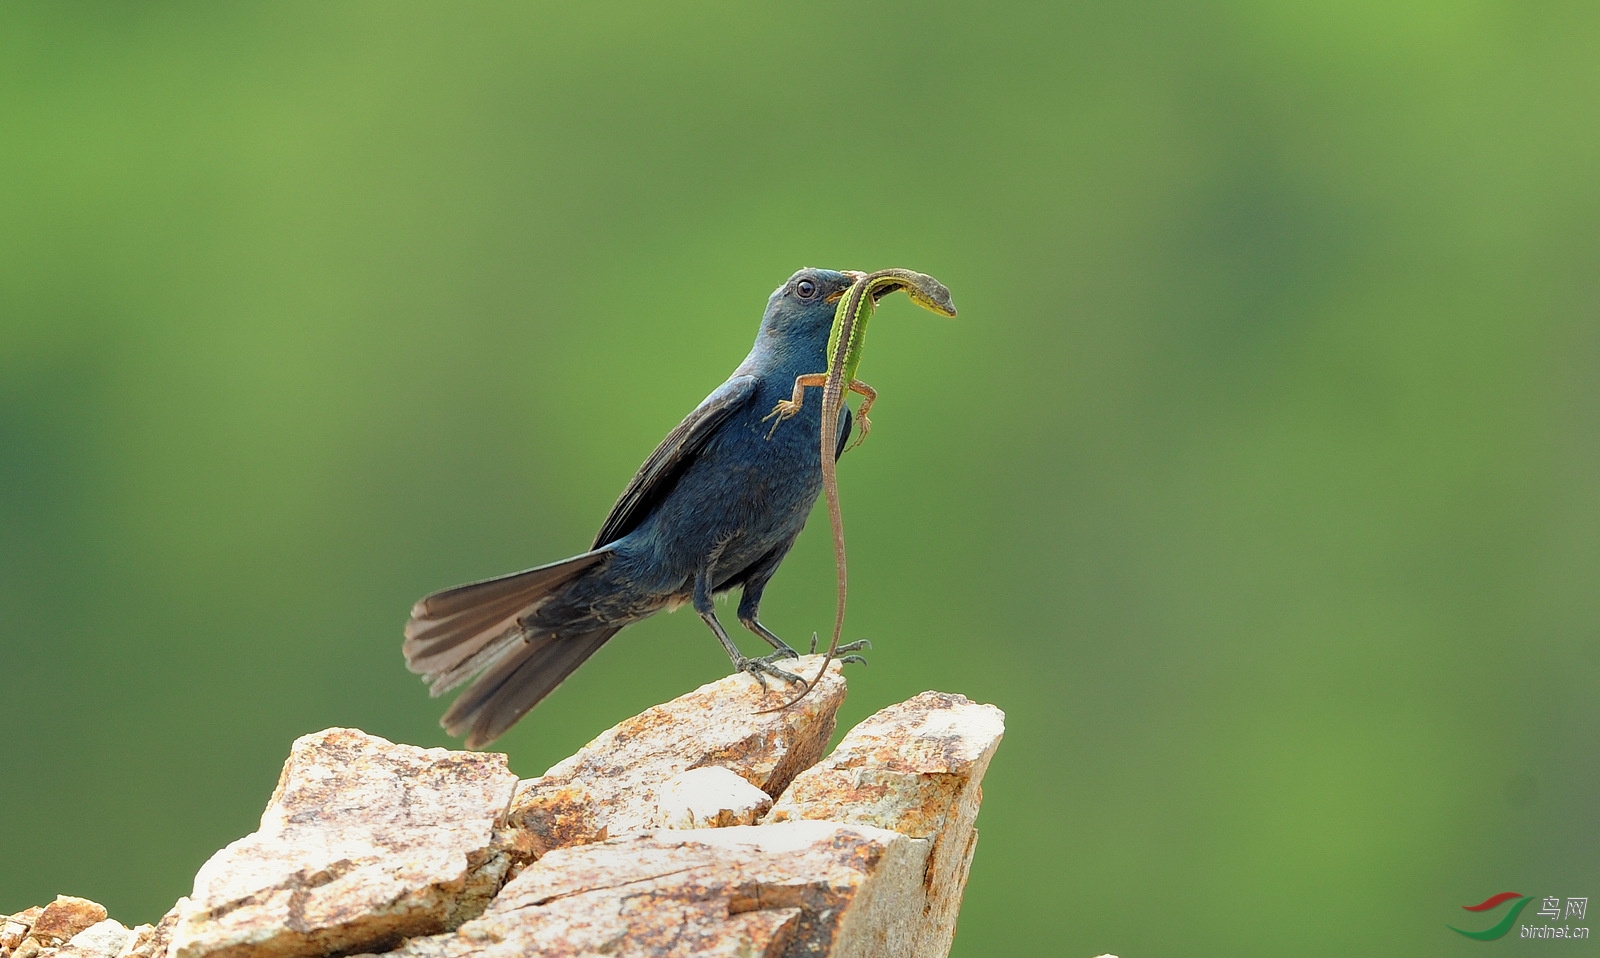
(846, 342)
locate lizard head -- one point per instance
(923, 289)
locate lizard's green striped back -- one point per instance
(923, 289)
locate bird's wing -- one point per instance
(661, 471)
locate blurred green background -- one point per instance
(1257, 480)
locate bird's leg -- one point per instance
(868, 397)
(784, 650)
(750, 604)
(758, 668)
(788, 407)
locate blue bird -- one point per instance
(717, 505)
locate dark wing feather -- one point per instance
(844, 434)
(661, 471)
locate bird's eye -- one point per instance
(806, 288)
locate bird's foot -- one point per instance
(842, 653)
(783, 410)
(760, 668)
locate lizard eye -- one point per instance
(806, 288)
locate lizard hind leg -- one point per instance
(868, 397)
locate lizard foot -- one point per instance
(866, 427)
(783, 410)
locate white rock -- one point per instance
(152, 941)
(709, 797)
(104, 939)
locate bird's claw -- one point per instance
(842, 653)
(855, 646)
(759, 669)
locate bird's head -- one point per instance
(802, 308)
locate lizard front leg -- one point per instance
(788, 407)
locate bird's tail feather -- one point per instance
(457, 632)
(517, 682)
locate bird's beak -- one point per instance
(854, 276)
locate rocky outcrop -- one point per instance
(704, 826)
(363, 841)
(913, 769)
(66, 928)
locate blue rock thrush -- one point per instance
(717, 505)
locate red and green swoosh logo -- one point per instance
(1504, 924)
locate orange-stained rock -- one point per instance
(914, 768)
(555, 814)
(610, 786)
(363, 843)
(65, 917)
(14, 928)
